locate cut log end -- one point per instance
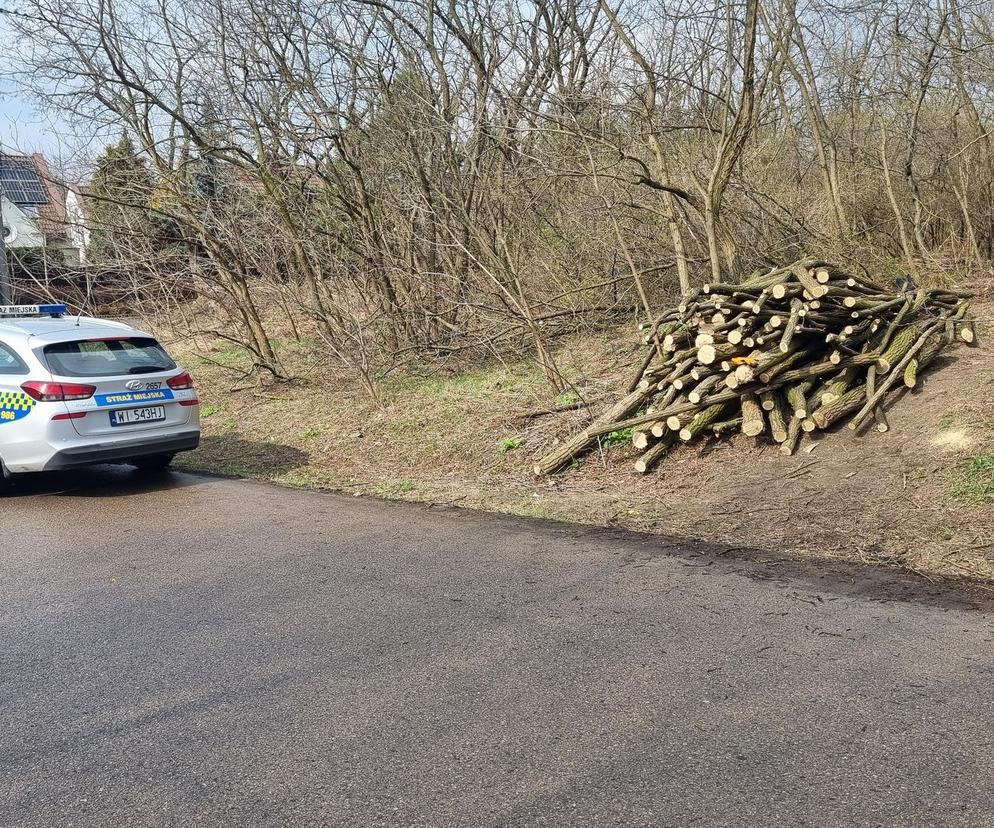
(745, 373)
(707, 354)
(911, 374)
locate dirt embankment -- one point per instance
(920, 496)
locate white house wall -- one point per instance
(76, 229)
(25, 232)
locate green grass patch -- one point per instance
(976, 480)
(397, 487)
(472, 382)
(232, 356)
(509, 444)
(617, 438)
(209, 410)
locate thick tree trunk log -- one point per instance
(797, 398)
(726, 426)
(654, 455)
(930, 350)
(828, 413)
(778, 364)
(789, 446)
(903, 339)
(703, 388)
(703, 419)
(808, 282)
(777, 416)
(837, 387)
(898, 372)
(796, 307)
(753, 422)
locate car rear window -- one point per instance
(107, 357)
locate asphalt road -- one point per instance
(206, 652)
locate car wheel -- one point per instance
(6, 481)
(153, 463)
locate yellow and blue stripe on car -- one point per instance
(14, 405)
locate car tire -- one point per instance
(153, 463)
(6, 480)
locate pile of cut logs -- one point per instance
(792, 351)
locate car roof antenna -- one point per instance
(86, 299)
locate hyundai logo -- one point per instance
(134, 385)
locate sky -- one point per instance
(22, 127)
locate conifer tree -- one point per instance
(120, 189)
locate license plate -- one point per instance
(134, 416)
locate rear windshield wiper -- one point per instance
(148, 369)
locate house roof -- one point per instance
(28, 182)
(20, 181)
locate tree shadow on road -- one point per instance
(231, 454)
(225, 454)
(97, 481)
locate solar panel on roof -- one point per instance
(20, 182)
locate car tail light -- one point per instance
(181, 382)
(189, 403)
(57, 391)
(71, 415)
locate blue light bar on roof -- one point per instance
(33, 310)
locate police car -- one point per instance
(76, 391)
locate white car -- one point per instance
(76, 391)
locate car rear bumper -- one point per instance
(118, 450)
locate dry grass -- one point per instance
(918, 497)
